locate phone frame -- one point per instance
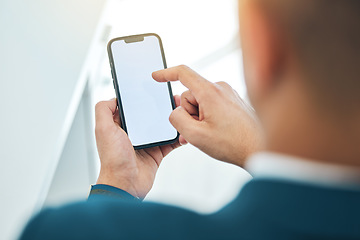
(138, 38)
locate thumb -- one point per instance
(104, 112)
(184, 123)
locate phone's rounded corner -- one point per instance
(111, 41)
(172, 141)
(138, 147)
(108, 46)
(163, 143)
(177, 137)
(155, 35)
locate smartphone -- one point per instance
(144, 104)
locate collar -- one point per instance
(286, 167)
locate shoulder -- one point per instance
(110, 219)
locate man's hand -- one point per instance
(122, 166)
(213, 117)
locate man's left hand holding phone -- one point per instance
(121, 166)
(129, 156)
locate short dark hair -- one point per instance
(326, 37)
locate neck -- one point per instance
(303, 131)
(327, 147)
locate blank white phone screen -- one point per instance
(146, 103)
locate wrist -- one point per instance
(117, 181)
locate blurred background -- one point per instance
(54, 68)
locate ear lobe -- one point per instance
(260, 49)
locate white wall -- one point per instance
(43, 52)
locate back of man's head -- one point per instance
(325, 35)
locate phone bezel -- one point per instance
(117, 91)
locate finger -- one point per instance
(155, 153)
(189, 103)
(182, 140)
(168, 148)
(176, 144)
(188, 96)
(104, 111)
(185, 75)
(177, 100)
(116, 117)
(184, 123)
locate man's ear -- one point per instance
(260, 47)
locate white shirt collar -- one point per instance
(279, 166)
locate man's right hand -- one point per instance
(213, 117)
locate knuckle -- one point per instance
(171, 117)
(223, 84)
(183, 66)
(173, 114)
(221, 87)
(185, 94)
(99, 105)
